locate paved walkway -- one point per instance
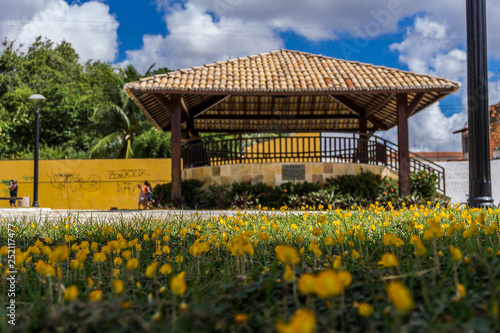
(47, 213)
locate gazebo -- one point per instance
(288, 91)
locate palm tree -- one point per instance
(118, 118)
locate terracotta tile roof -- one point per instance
(289, 71)
(286, 91)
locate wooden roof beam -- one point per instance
(349, 104)
(377, 123)
(207, 104)
(256, 117)
(170, 106)
(410, 109)
(380, 105)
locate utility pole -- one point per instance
(478, 108)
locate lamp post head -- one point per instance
(36, 97)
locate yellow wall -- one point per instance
(302, 148)
(85, 184)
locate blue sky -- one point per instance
(424, 36)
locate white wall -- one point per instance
(457, 180)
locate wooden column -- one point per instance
(175, 127)
(404, 148)
(363, 142)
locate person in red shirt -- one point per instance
(145, 195)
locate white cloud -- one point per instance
(89, 27)
(195, 39)
(428, 48)
(431, 130)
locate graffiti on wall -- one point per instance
(74, 182)
(126, 173)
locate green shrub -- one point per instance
(363, 186)
(192, 195)
(342, 191)
(424, 185)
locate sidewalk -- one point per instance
(47, 213)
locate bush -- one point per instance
(424, 185)
(152, 144)
(192, 195)
(342, 191)
(363, 186)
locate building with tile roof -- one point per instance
(494, 134)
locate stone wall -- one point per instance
(271, 173)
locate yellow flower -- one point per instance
(420, 247)
(337, 263)
(166, 249)
(472, 230)
(4, 251)
(116, 272)
(289, 275)
(365, 309)
(346, 278)
(195, 249)
(392, 240)
(75, 264)
(165, 269)
(355, 255)
(287, 254)
(240, 245)
(117, 261)
(388, 260)
(81, 255)
(178, 285)
(126, 305)
(316, 232)
(95, 296)
(70, 293)
(303, 321)
(59, 254)
(400, 296)
(118, 286)
(241, 318)
(151, 270)
(126, 255)
(306, 284)
(433, 231)
(461, 290)
(456, 253)
(99, 257)
(90, 282)
(132, 264)
(329, 240)
(328, 284)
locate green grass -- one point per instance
(227, 293)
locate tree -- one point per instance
(55, 72)
(152, 144)
(118, 117)
(121, 120)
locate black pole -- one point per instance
(478, 108)
(35, 176)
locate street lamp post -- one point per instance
(37, 126)
(478, 109)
